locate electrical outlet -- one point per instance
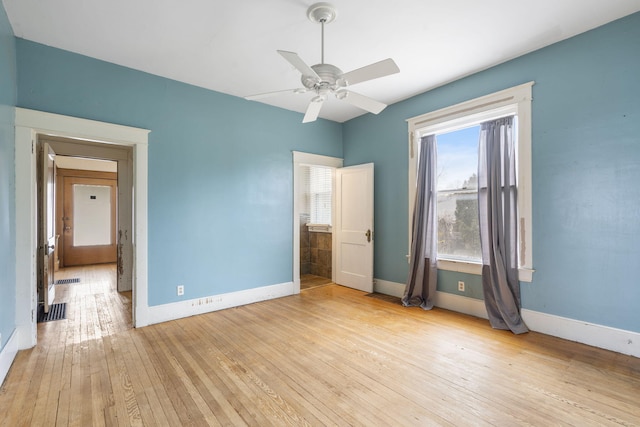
(461, 286)
(180, 290)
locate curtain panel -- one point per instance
(497, 206)
(423, 272)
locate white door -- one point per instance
(47, 231)
(354, 227)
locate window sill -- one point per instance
(319, 228)
(460, 266)
(524, 274)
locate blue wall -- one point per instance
(220, 168)
(220, 176)
(7, 179)
(586, 173)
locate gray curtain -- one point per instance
(497, 205)
(423, 273)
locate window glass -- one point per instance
(320, 183)
(458, 225)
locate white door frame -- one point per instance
(299, 159)
(28, 124)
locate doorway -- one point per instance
(313, 243)
(81, 133)
(316, 237)
(352, 218)
(86, 214)
(92, 204)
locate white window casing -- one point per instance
(515, 100)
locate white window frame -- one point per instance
(515, 100)
(317, 225)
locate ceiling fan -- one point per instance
(323, 79)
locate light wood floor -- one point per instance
(329, 356)
(309, 281)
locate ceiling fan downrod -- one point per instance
(322, 13)
(322, 42)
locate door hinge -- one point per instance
(33, 143)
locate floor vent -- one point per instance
(56, 312)
(67, 281)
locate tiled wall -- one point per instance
(305, 247)
(320, 244)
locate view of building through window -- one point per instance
(457, 169)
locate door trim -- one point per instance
(62, 175)
(30, 123)
(92, 254)
(299, 159)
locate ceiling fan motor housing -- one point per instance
(330, 78)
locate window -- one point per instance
(457, 205)
(318, 182)
(457, 129)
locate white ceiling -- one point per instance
(230, 46)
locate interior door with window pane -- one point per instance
(89, 221)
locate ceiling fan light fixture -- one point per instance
(342, 94)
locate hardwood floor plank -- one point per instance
(313, 412)
(328, 356)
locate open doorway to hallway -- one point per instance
(87, 263)
(85, 253)
(127, 145)
(94, 306)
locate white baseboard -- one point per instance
(178, 310)
(7, 354)
(461, 304)
(618, 340)
(394, 289)
(458, 303)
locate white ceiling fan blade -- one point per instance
(361, 101)
(277, 92)
(370, 72)
(313, 109)
(295, 60)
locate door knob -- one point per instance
(368, 234)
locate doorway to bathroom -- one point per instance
(316, 237)
(351, 228)
(314, 198)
